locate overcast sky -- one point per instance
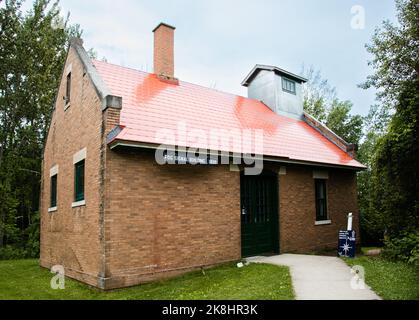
(217, 42)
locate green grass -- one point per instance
(24, 279)
(390, 280)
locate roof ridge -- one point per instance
(118, 65)
(183, 81)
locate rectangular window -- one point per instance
(321, 200)
(79, 181)
(288, 85)
(53, 198)
(68, 89)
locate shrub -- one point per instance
(32, 244)
(12, 253)
(28, 247)
(405, 248)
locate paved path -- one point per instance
(319, 277)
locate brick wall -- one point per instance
(168, 218)
(165, 220)
(298, 232)
(70, 236)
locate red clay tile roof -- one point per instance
(149, 105)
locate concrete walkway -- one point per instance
(319, 277)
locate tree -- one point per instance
(394, 174)
(320, 100)
(371, 222)
(318, 94)
(345, 125)
(32, 53)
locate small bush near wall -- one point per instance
(27, 247)
(33, 235)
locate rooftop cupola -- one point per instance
(279, 89)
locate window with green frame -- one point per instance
(68, 89)
(321, 200)
(53, 194)
(288, 85)
(79, 181)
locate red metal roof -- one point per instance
(150, 105)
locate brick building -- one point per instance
(114, 215)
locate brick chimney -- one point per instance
(164, 64)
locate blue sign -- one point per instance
(346, 243)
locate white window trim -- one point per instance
(322, 222)
(80, 155)
(323, 175)
(320, 174)
(77, 157)
(282, 171)
(53, 171)
(234, 168)
(67, 71)
(78, 204)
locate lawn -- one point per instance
(24, 279)
(390, 280)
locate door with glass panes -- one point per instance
(259, 214)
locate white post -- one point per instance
(349, 221)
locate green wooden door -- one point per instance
(259, 214)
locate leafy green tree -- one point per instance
(32, 52)
(320, 101)
(345, 125)
(318, 94)
(372, 224)
(395, 169)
